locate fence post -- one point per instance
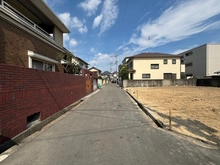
(170, 126)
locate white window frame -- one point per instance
(42, 58)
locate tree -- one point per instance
(68, 66)
(123, 72)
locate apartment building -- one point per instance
(202, 61)
(31, 35)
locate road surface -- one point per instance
(108, 128)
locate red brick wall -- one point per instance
(25, 91)
(14, 43)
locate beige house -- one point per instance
(80, 62)
(93, 69)
(202, 61)
(153, 66)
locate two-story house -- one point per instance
(153, 66)
(82, 64)
(96, 70)
(31, 35)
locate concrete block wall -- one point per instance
(156, 83)
(25, 91)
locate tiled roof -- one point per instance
(154, 55)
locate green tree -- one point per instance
(68, 66)
(123, 72)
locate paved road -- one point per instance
(106, 129)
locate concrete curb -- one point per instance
(157, 122)
(37, 127)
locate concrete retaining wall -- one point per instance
(156, 83)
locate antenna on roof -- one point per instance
(149, 43)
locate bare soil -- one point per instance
(195, 111)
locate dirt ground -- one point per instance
(195, 111)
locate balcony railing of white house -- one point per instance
(16, 14)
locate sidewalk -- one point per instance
(109, 128)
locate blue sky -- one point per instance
(100, 29)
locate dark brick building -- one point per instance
(31, 35)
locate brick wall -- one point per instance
(14, 43)
(25, 91)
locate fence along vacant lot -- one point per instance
(195, 110)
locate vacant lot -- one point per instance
(195, 110)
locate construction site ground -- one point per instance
(195, 111)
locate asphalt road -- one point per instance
(109, 128)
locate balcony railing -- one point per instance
(16, 14)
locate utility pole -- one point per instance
(111, 63)
(116, 62)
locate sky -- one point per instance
(102, 29)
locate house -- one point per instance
(146, 66)
(93, 69)
(80, 62)
(202, 61)
(106, 75)
(31, 35)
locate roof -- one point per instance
(82, 60)
(106, 73)
(50, 14)
(95, 69)
(154, 55)
(151, 55)
(67, 51)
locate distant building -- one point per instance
(202, 61)
(96, 70)
(146, 66)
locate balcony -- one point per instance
(15, 14)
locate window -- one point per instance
(130, 65)
(182, 60)
(165, 61)
(146, 75)
(42, 65)
(154, 66)
(41, 62)
(189, 64)
(189, 54)
(173, 61)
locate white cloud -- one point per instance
(107, 17)
(65, 18)
(92, 50)
(73, 42)
(90, 6)
(53, 3)
(110, 14)
(97, 21)
(76, 23)
(178, 51)
(178, 22)
(73, 22)
(101, 61)
(66, 39)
